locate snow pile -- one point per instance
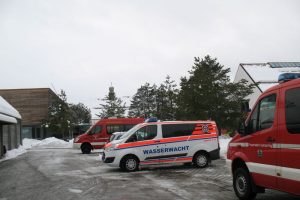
(14, 153)
(51, 142)
(223, 145)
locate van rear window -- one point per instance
(177, 130)
(292, 110)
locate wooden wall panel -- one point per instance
(32, 104)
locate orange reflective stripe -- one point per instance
(135, 144)
(196, 132)
(198, 128)
(196, 135)
(202, 136)
(175, 139)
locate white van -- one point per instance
(115, 136)
(155, 143)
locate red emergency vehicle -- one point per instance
(99, 133)
(266, 152)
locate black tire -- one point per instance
(86, 148)
(129, 164)
(201, 160)
(242, 184)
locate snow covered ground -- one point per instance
(51, 142)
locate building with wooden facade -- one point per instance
(33, 105)
(10, 127)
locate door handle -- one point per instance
(156, 141)
(270, 139)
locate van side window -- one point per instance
(96, 129)
(113, 128)
(110, 129)
(177, 130)
(145, 133)
(292, 110)
(263, 115)
(267, 109)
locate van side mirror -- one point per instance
(245, 106)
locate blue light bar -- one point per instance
(151, 119)
(287, 77)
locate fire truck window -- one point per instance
(267, 109)
(96, 129)
(114, 128)
(252, 124)
(177, 130)
(292, 110)
(128, 127)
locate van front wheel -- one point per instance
(129, 164)
(86, 148)
(242, 184)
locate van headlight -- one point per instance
(76, 139)
(111, 148)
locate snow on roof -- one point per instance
(284, 64)
(7, 110)
(266, 75)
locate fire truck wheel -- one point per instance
(86, 148)
(201, 160)
(129, 163)
(242, 184)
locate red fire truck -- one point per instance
(266, 152)
(98, 134)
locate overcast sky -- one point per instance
(84, 46)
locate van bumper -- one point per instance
(215, 154)
(110, 159)
(76, 145)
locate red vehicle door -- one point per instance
(289, 143)
(262, 134)
(98, 136)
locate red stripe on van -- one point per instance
(165, 140)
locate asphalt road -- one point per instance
(45, 174)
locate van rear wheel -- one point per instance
(242, 184)
(86, 148)
(201, 160)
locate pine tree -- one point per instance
(143, 103)
(80, 113)
(112, 106)
(208, 93)
(58, 119)
(166, 96)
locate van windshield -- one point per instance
(127, 133)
